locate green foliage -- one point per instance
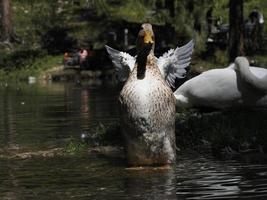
(102, 135)
(57, 26)
(75, 147)
(217, 130)
(200, 43)
(106, 135)
(19, 58)
(33, 19)
(137, 12)
(259, 60)
(221, 9)
(221, 58)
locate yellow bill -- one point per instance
(148, 37)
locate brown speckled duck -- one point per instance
(147, 101)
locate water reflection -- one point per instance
(8, 121)
(212, 179)
(82, 178)
(151, 184)
(209, 180)
(35, 116)
(102, 178)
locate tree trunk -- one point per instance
(236, 38)
(6, 21)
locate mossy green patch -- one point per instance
(101, 135)
(237, 129)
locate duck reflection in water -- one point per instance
(154, 183)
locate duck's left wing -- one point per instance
(123, 62)
(172, 64)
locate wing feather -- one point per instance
(122, 61)
(172, 64)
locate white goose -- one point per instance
(237, 85)
(147, 101)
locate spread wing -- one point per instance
(172, 64)
(123, 62)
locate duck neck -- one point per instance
(142, 60)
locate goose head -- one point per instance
(145, 42)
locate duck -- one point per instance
(238, 85)
(147, 102)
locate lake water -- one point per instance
(34, 117)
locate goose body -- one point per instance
(237, 85)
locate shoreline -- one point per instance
(107, 151)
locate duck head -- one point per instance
(145, 40)
(145, 46)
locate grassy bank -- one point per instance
(231, 132)
(34, 68)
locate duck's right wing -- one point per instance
(173, 63)
(123, 62)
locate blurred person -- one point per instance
(257, 20)
(83, 55)
(66, 58)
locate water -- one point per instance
(35, 117)
(45, 116)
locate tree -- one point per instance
(236, 38)
(7, 30)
